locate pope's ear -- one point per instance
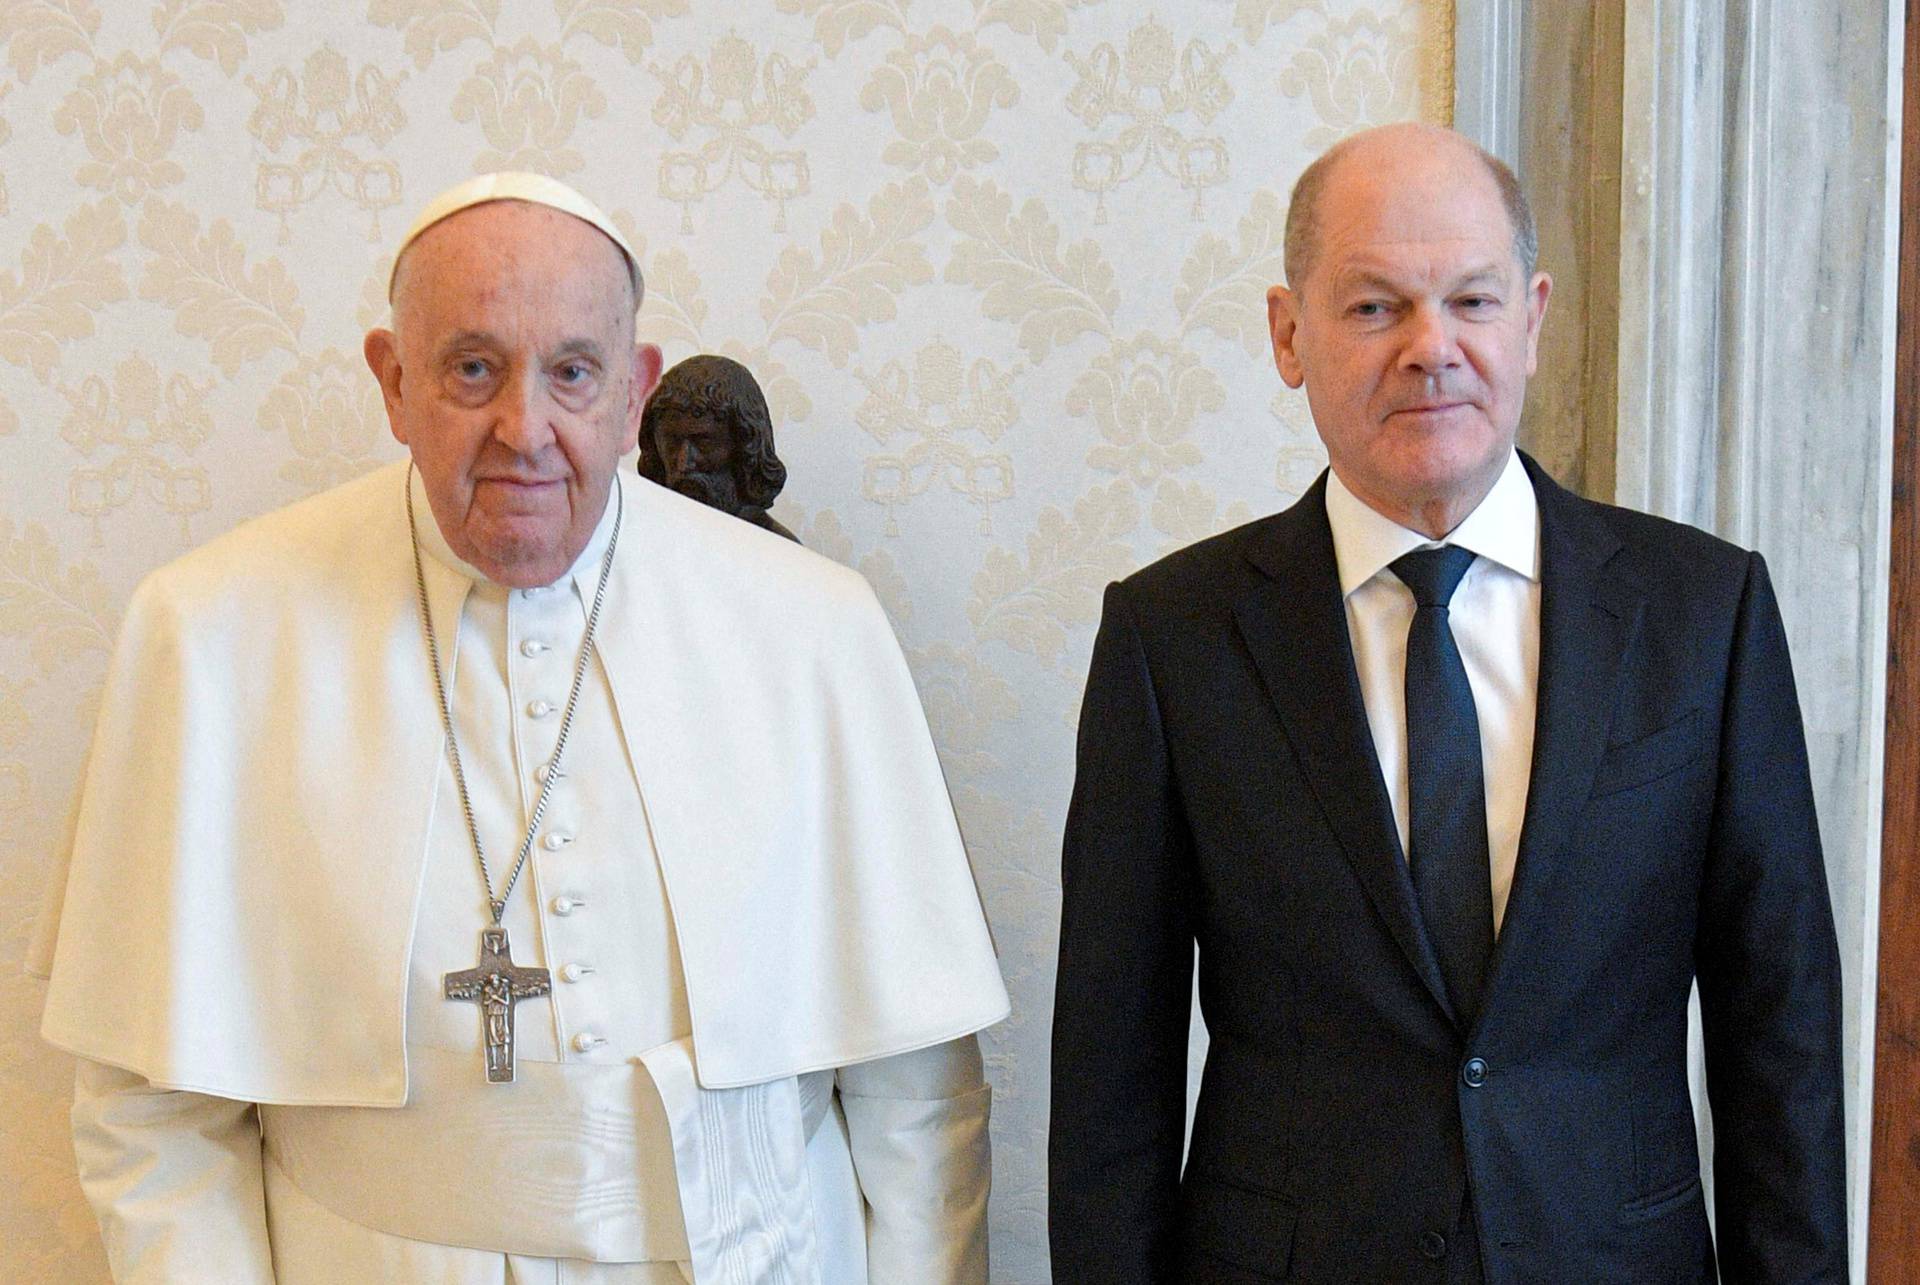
(647, 365)
(382, 352)
(648, 362)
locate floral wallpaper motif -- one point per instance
(734, 102)
(129, 430)
(1150, 88)
(940, 89)
(998, 265)
(129, 112)
(324, 118)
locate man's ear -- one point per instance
(382, 351)
(1283, 323)
(647, 364)
(1538, 291)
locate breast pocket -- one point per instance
(1650, 757)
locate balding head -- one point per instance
(1390, 149)
(1412, 319)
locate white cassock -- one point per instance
(756, 1060)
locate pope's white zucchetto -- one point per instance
(513, 185)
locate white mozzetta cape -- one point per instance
(251, 837)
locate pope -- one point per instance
(502, 869)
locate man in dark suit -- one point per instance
(1458, 782)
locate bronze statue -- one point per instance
(706, 433)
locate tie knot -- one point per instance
(1433, 574)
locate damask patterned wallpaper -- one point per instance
(998, 263)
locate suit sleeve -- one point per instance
(1124, 992)
(1769, 975)
(174, 1179)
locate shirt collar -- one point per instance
(587, 565)
(1504, 528)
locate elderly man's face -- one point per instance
(1415, 329)
(512, 377)
(697, 456)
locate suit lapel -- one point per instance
(1295, 626)
(1587, 620)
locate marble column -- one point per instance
(1758, 238)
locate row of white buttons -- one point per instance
(532, 648)
(585, 1041)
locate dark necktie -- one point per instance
(1446, 794)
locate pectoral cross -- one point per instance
(498, 984)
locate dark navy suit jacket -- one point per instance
(1228, 795)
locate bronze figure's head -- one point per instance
(706, 433)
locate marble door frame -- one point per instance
(1489, 77)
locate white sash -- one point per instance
(741, 1158)
(572, 1160)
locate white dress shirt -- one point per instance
(1495, 613)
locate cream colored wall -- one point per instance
(999, 264)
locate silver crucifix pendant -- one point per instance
(498, 984)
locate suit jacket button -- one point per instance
(1433, 1245)
(1474, 1072)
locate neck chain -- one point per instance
(497, 905)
